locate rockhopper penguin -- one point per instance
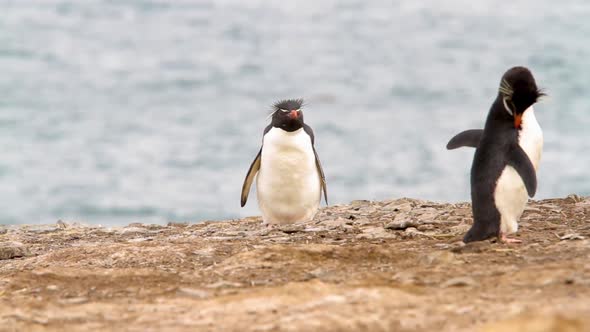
(507, 156)
(290, 178)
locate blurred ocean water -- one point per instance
(120, 111)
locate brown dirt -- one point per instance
(370, 266)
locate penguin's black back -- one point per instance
(491, 157)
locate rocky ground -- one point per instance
(369, 266)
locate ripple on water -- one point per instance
(120, 111)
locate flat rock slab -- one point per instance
(396, 265)
(10, 250)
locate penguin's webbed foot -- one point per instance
(505, 239)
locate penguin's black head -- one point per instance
(518, 91)
(287, 114)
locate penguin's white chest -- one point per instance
(510, 194)
(288, 182)
(531, 137)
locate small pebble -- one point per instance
(459, 282)
(74, 300)
(193, 292)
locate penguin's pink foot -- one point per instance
(505, 239)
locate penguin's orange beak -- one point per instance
(293, 115)
(517, 120)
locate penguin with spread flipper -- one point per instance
(507, 156)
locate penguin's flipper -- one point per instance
(250, 177)
(318, 165)
(518, 159)
(322, 176)
(468, 138)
